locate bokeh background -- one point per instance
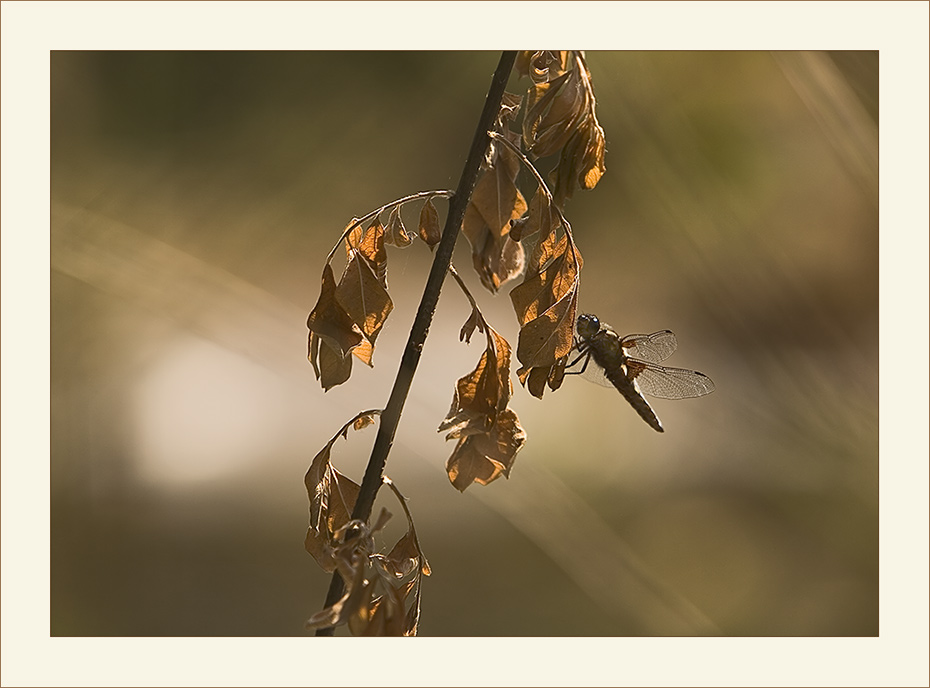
(194, 198)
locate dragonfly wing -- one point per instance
(653, 348)
(669, 383)
(594, 373)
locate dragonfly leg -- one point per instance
(586, 355)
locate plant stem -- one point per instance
(390, 417)
(444, 193)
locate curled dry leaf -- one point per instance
(429, 224)
(495, 202)
(554, 111)
(581, 162)
(561, 119)
(349, 316)
(542, 65)
(371, 247)
(332, 497)
(545, 305)
(488, 432)
(382, 594)
(540, 218)
(484, 457)
(333, 334)
(366, 301)
(396, 231)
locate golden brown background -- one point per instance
(194, 198)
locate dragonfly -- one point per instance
(630, 364)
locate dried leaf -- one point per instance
(329, 319)
(353, 238)
(359, 616)
(347, 606)
(332, 497)
(488, 432)
(484, 458)
(404, 557)
(474, 321)
(548, 247)
(560, 119)
(540, 290)
(429, 223)
(592, 165)
(556, 374)
(548, 337)
(330, 366)
(555, 110)
(541, 65)
(539, 218)
(510, 106)
(482, 394)
(396, 231)
(387, 617)
(365, 300)
(412, 620)
(372, 248)
(495, 202)
(363, 421)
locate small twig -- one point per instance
(444, 193)
(390, 417)
(458, 279)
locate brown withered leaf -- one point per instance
(510, 106)
(412, 620)
(347, 606)
(468, 329)
(396, 231)
(332, 497)
(495, 202)
(557, 374)
(483, 458)
(592, 164)
(353, 238)
(555, 109)
(363, 421)
(548, 247)
(539, 218)
(372, 248)
(541, 289)
(535, 379)
(541, 65)
(329, 365)
(387, 615)
(404, 557)
(365, 300)
(488, 432)
(360, 607)
(482, 394)
(581, 162)
(329, 319)
(549, 336)
(429, 224)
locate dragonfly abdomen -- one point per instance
(618, 377)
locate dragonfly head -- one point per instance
(588, 325)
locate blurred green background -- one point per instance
(194, 198)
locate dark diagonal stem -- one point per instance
(390, 417)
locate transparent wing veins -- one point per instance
(670, 383)
(652, 348)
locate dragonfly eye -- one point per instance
(588, 325)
